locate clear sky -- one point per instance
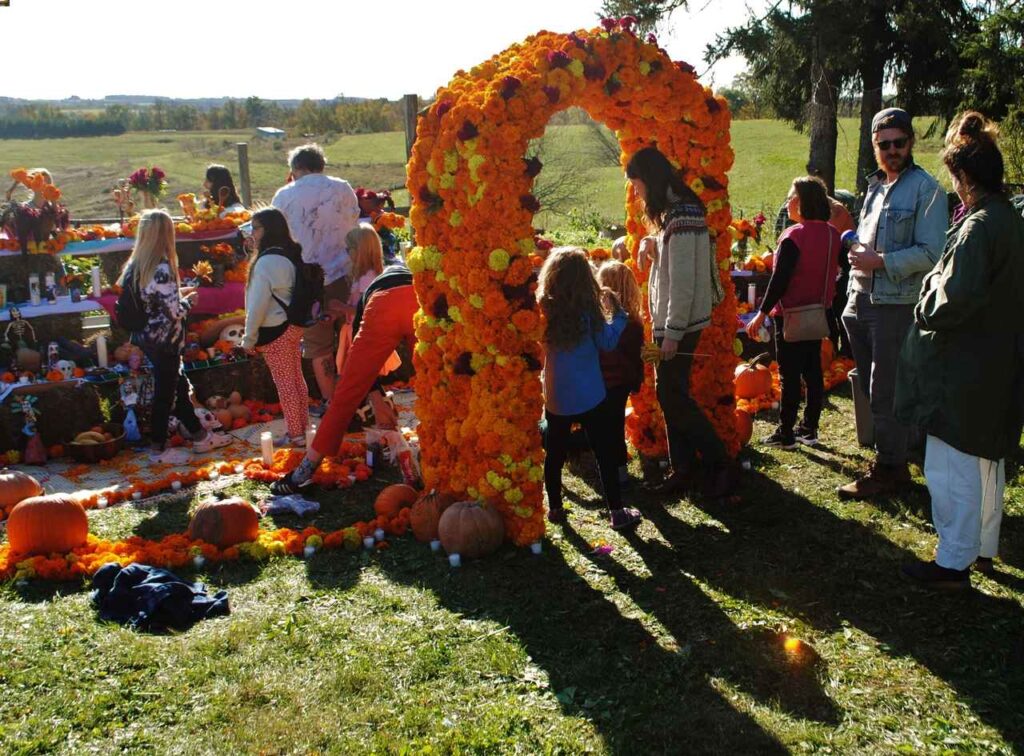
(292, 49)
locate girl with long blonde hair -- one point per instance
(623, 367)
(575, 330)
(150, 278)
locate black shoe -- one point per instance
(805, 435)
(721, 481)
(984, 565)
(287, 486)
(932, 575)
(780, 439)
(675, 483)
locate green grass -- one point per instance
(671, 643)
(769, 154)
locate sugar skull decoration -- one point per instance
(67, 369)
(233, 333)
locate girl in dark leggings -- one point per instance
(152, 272)
(575, 329)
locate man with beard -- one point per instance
(901, 234)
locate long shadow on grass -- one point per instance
(753, 659)
(603, 666)
(782, 549)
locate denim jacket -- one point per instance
(908, 223)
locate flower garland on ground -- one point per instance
(478, 357)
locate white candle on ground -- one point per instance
(101, 351)
(454, 560)
(368, 542)
(267, 447)
(435, 545)
(175, 485)
(535, 547)
(310, 435)
(102, 502)
(379, 534)
(308, 551)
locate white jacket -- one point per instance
(272, 275)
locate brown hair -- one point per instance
(620, 279)
(971, 149)
(813, 197)
(275, 234)
(222, 186)
(569, 297)
(658, 175)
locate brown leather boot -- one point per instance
(880, 480)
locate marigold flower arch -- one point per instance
(478, 358)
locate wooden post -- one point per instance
(243, 173)
(411, 107)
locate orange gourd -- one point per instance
(426, 514)
(471, 529)
(16, 486)
(53, 524)
(752, 379)
(226, 522)
(744, 426)
(391, 500)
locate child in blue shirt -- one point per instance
(574, 308)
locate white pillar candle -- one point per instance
(378, 534)
(97, 287)
(267, 447)
(368, 542)
(175, 485)
(310, 435)
(239, 469)
(435, 545)
(137, 495)
(454, 560)
(198, 561)
(535, 547)
(101, 502)
(214, 475)
(308, 551)
(101, 351)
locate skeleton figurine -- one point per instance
(233, 333)
(16, 330)
(67, 367)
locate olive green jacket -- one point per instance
(961, 365)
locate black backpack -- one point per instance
(130, 313)
(304, 309)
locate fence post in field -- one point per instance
(411, 106)
(243, 173)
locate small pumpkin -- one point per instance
(16, 486)
(471, 529)
(224, 417)
(225, 522)
(752, 379)
(393, 498)
(53, 524)
(426, 514)
(744, 426)
(239, 411)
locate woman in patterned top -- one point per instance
(152, 270)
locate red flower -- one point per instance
(509, 86)
(553, 94)
(468, 131)
(529, 202)
(558, 59)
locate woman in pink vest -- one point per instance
(804, 273)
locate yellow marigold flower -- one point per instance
(576, 68)
(476, 300)
(697, 186)
(498, 260)
(455, 219)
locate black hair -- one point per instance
(659, 176)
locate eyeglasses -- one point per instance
(899, 144)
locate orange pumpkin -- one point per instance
(393, 498)
(16, 486)
(225, 522)
(471, 529)
(426, 514)
(53, 524)
(752, 379)
(744, 426)
(225, 418)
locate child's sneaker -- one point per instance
(780, 439)
(212, 441)
(806, 436)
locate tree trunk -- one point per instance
(822, 114)
(870, 103)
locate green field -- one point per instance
(769, 154)
(672, 643)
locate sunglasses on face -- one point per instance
(899, 144)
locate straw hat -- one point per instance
(212, 329)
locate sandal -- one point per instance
(626, 518)
(287, 486)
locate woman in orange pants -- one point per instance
(383, 319)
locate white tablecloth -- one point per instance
(64, 306)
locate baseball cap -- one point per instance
(892, 118)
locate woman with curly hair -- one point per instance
(576, 328)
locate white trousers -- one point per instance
(967, 503)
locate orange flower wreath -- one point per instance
(478, 357)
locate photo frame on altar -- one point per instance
(3, 296)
